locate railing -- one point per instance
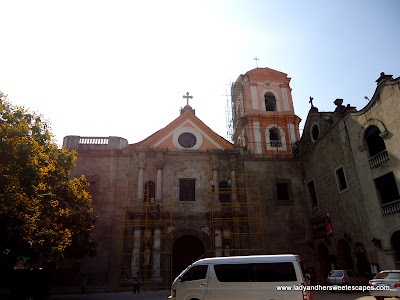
(390, 208)
(378, 159)
(276, 143)
(93, 141)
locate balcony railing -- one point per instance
(390, 208)
(275, 143)
(93, 141)
(378, 159)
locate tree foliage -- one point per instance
(43, 213)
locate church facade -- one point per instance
(185, 192)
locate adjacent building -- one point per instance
(351, 172)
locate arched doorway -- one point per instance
(185, 250)
(362, 263)
(344, 259)
(395, 241)
(324, 265)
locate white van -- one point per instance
(241, 277)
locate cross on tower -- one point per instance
(187, 98)
(255, 58)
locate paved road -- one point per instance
(162, 295)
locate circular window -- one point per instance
(187, 140)
(315, 132)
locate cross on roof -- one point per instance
(187, 98)
(311, 101)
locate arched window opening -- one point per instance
(375, 143)
(315, 132)
(150, 191)
(275, 137)
(395, 241)
(224, 189)
(270, 102)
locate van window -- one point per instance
(234, 272)
(256, 272)
(336, 273)
(195, 273)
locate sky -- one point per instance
(121, 68)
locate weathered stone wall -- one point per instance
(101, 171)
(382, 111)
(286, 223)
(320, 159)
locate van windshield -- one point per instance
(256, 272)
(195, 273)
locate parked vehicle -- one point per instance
(346, 277)
(241, 277)
(389, 278)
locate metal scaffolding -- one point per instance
(236, 221)
(145, 241)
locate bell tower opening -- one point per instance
(270, 102)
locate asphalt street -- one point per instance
(163, 295)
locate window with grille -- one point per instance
(387, 188)
(187, 189)
(341, 179)
(375, 143)
(312, 193)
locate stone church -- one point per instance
(185, 192)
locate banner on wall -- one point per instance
(322, 226)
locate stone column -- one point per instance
(157, 255)
(140, 185)
(159, 165)
(233, 163)
(218, 242)
(233, 186)
(214, 167)
(142, 163)
(135, 263)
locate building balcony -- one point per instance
(378, 159)
(390, 208)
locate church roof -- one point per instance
(187, 132)
(265, 71)
(262, 74)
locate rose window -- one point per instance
(187, 140)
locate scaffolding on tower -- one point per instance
(236, 221)
(145, 246)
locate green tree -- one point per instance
(44, 215)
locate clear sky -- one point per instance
(120, 68)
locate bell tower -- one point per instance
(264, 121)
